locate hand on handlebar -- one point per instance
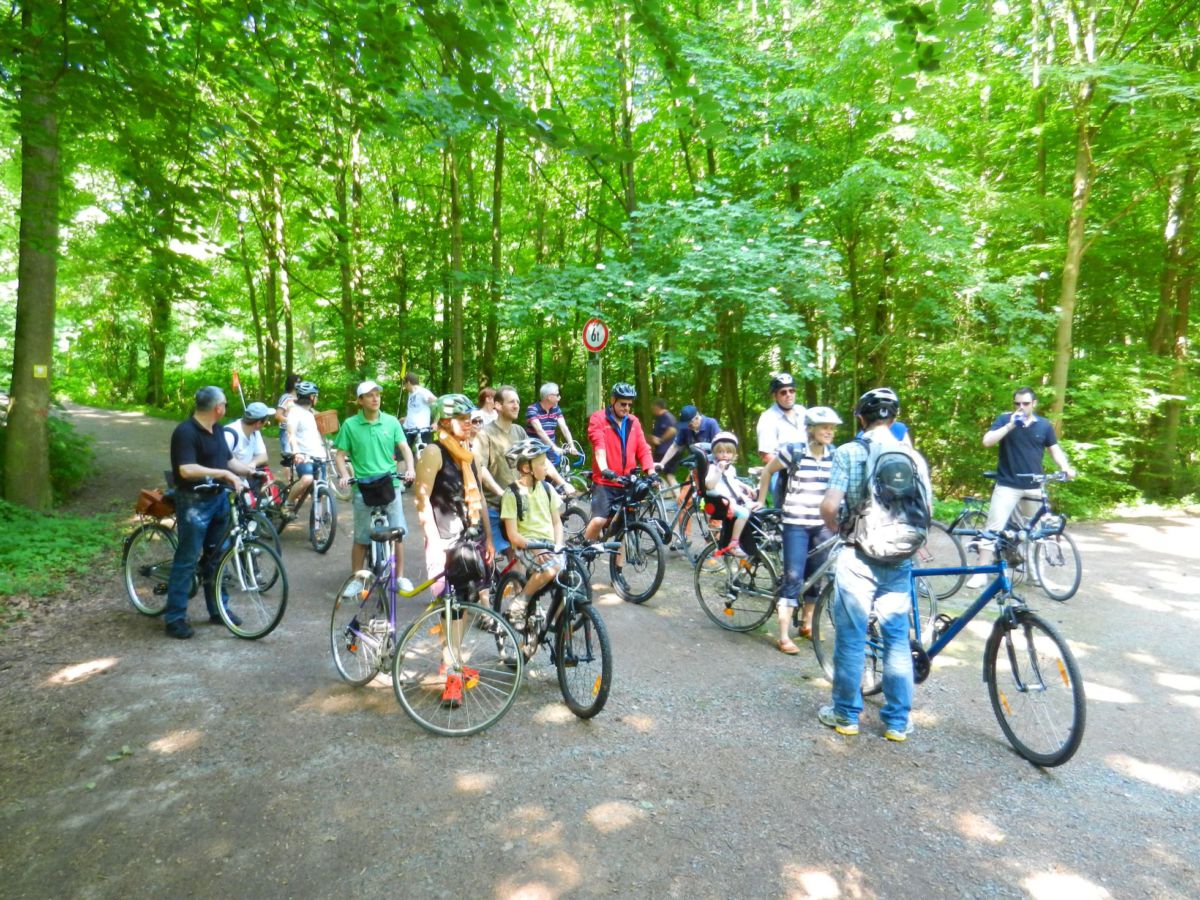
(408, 477)
(610, 474)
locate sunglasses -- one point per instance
(786, 391)
(624, 404)
(1022, 403)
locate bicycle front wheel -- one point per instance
(147, 559)
(737, 594)
(638, 577)
(322, 518)
(824, 641)
(1035, 688)
(1057, 566)
(694, 534)
(264, 529)
(253, 589)
(942, 550)
(574, 521)
(457, 671)
(360, 631)
(583, 659)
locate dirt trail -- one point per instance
(136, 765)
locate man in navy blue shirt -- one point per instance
(1023, 438)
(699, 428)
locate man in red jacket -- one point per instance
(618, 447)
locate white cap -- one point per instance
(367, 386)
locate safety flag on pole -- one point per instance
(237, 386)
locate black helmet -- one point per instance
(878, 403)
(782, 380)
(464, 564)
(624, 390)
(306, 389)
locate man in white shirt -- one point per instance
(418, 416)
(244, 438)
(783, 421)
(308, 447)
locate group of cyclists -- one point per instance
(491, 467)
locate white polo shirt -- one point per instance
(776, 427)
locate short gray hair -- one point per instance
(549, 388)
(209, 398)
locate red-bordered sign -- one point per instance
(595, 335)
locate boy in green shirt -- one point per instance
(530, 511)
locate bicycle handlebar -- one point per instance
(1042, 478)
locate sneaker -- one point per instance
(900, 735)
(180, 629)
(516, 614)
(975, 582)
(234, 618)
(452, 695)
(828, 716)
(287, 513)
(353, 589)
(404, 584)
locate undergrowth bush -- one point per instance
(40, 552)
(72, 457)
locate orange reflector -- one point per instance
(596, 686)
(436, 629)
(1004, 703)
(728, 611)
(1062, 671)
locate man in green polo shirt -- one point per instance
(374, 442)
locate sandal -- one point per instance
(785, 645)
(806, 632)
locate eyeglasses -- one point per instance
(786, 391)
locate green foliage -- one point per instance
(40, 553)
(72, 457)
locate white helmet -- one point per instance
(724, 437)
(821, 415)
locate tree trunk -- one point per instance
(252, 296)
(491, 333)
(284, 297)
(27, 448)
(456, 268)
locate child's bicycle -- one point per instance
(570, 627)
(456, 669)
(1034, 683)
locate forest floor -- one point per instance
(135, 765)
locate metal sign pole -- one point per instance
(592, 394)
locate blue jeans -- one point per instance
(862, 585)
(798, 540)
(201, 522)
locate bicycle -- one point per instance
(638, 577)
(571, 461)
(1043, 547)
(322, 513)
(148, 552)
(687, 531)
(580, 647)
(429, 661)
(418, 439)
(1034, 683)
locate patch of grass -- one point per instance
(39, 552)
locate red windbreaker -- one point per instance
(623, 455)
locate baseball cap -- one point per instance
(256, 412)
(688, 413)
(366, 387)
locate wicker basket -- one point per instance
(327, 421)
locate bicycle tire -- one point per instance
(252, 601)
(510, 584)
(488, 664)
(942, 550)
(361, 638)
(146, 560)
(824, 641)
(736, 594)
(574, 520)
(1057, 566)
(645, 562)
(1035, 688)
(322, 518)
(694, 534)
(583, 677)
(265, 529)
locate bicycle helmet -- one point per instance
(878, 403)
(464, 564)
(782, 380)
(530, 448)
(450, 405)
(624, 390)
(306, 389)
(725, 437)
(821, 415)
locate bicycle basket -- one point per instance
(379, 491)
(154, 503)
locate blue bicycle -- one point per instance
(1034, 683)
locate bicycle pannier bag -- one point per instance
(380, 491)
(893, 521)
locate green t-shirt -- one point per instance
(538, 524)
(371, 446)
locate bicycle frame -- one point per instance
(1001, 584)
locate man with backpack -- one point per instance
(885, 486)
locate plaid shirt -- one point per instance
(849, 473)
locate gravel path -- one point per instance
(137, 765)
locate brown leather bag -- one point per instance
(154, 503)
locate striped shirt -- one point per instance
(806, 484)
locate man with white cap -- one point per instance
(374, 443)
(244, 436)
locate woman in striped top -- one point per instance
(807, 467)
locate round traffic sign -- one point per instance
(595, 335)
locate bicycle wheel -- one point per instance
(342, 494)
(645, 562)
(574, 520)
(1057, 565)
(510, 584)
(148, 556)
(457, 672)
(942, 550)
(263, 528)
(360, 634)
(1035, 688)
(254, 589)
(322, 518)
(583, 659)
(737, 594)
(694, 534)
(824, 641)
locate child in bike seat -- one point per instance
(722, 482)
(530, 510)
